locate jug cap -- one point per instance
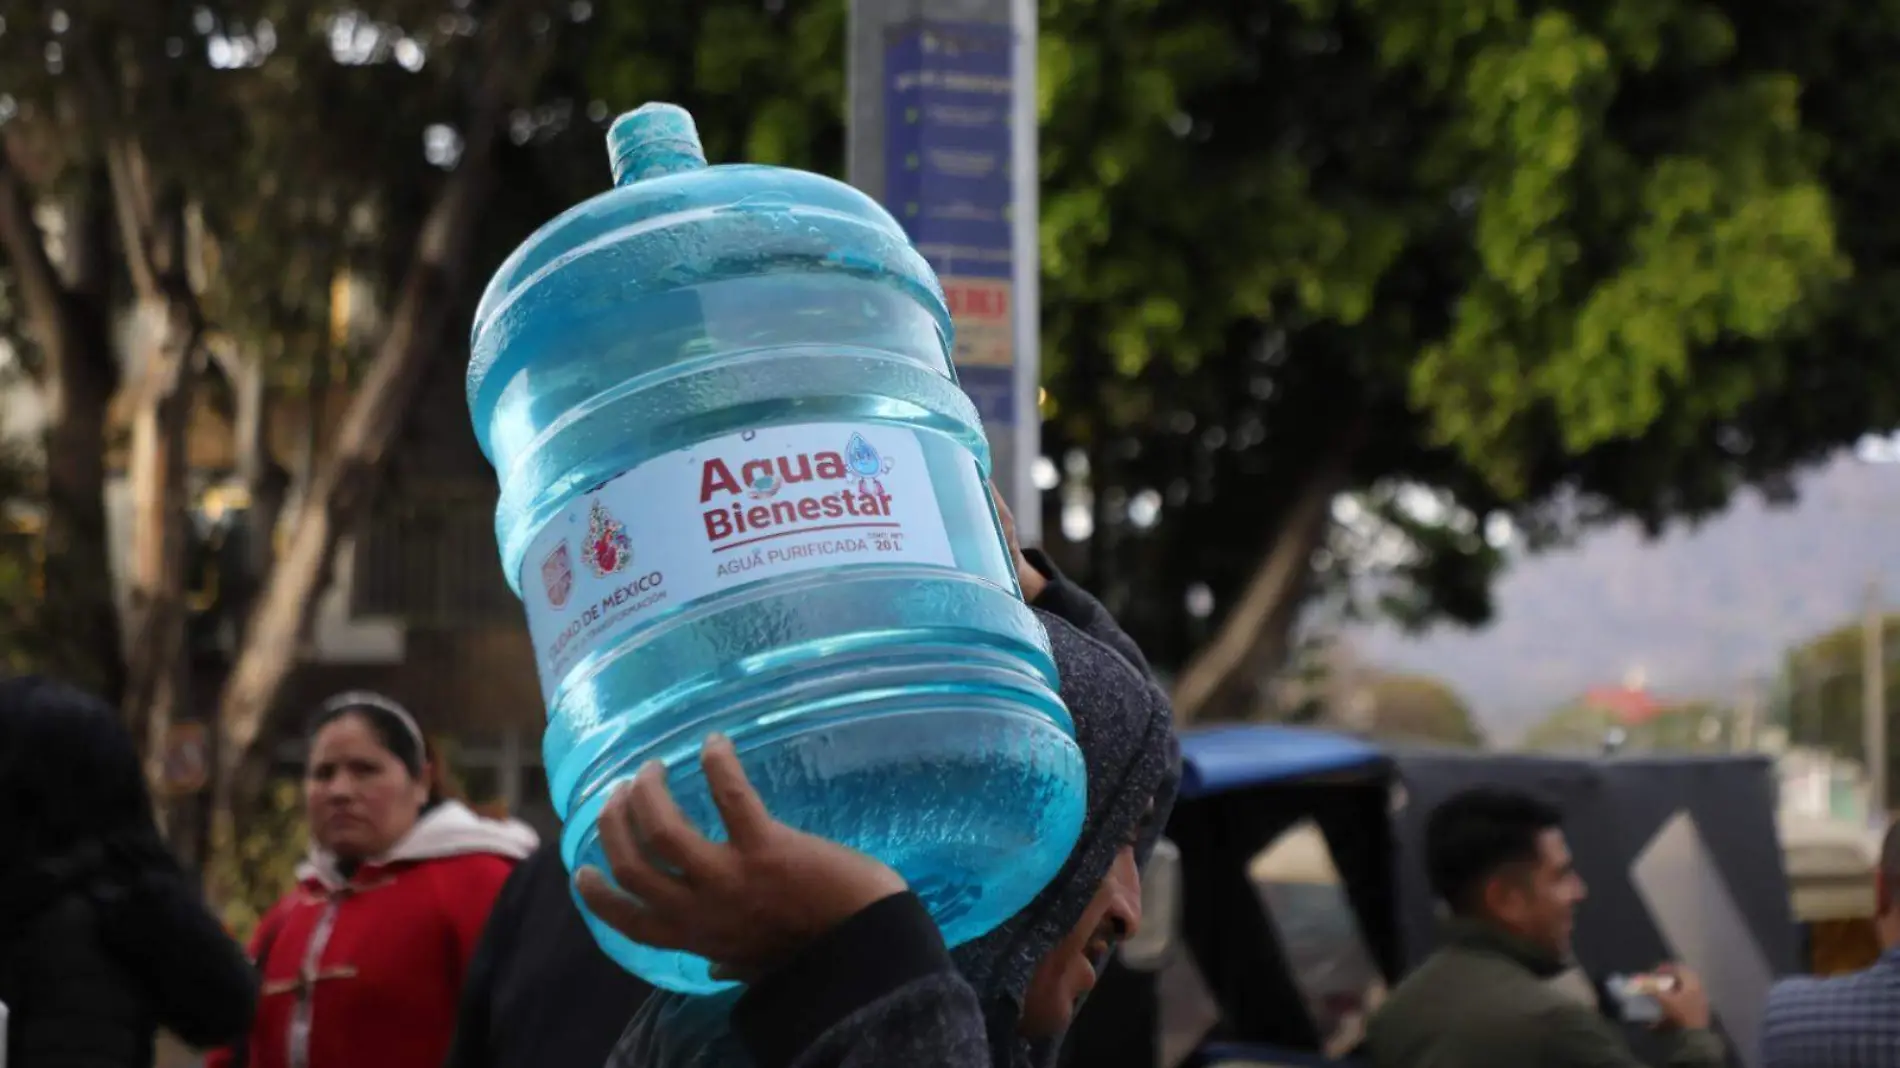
(653, 140)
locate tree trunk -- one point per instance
(158, 659)
(1224, 680)
(265, 482)
(71, 322)
(242, 571)
(339, 496)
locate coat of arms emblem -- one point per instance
(607, 550)
(557, 575)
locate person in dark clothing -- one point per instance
(103, 939)
(541, 994)
(844, 967)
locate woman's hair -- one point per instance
(70, 780)
(442, 782)
(395, 730)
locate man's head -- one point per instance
(1499, 856)
(1887, 889)
(1067, 973)
(1038, 965)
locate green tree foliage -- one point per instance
(1419, 708)
(1555, 263)
(1551, 264)
(765, 82)
(23, 638)
(210, 171)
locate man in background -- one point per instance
(1848, 1021)
(1499, 860)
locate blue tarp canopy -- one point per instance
(1216, 760)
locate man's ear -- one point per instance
(1503, 891)
(1494, 895)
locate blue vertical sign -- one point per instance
(949, 130)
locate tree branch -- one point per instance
(157, 659)
(340, 493)
(134, 200)
(1252, 641)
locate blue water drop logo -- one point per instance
(861, 458)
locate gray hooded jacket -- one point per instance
(881, 989)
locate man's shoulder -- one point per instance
(1479, 985)
(1461, 1006)
(1811, 1001)
(1807, 1018)
(1463, 964)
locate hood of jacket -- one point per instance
(450, 829)
(1124, 725)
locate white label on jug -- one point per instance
(757, 505)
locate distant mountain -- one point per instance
(1696, 611)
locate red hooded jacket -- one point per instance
(366, 972)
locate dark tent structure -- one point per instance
(1680, 853)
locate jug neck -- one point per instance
(651, 141)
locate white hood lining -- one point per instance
(451, 829)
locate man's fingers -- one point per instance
(621, 912)
(1008, 519)
(621, 838)
(739, 805)
(1684, 978)
(669, 837)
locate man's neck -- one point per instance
(1491, 937)
(1887, 930)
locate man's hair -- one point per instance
(1476, 833)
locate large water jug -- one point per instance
(742, 491)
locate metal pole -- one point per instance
(1747, 718)
(1026, 179)
(1874, 704)
(943, 131)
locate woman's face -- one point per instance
(359, 798)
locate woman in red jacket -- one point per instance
(362, 962)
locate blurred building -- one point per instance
(1817, 785)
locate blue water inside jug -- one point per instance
(742, 491)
